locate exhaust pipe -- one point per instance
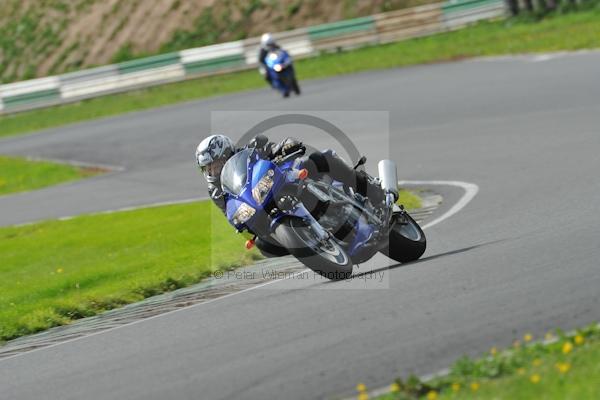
(388, 177)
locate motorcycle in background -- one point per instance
(280, 68)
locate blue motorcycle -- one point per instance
(321, 222)
(281, 72)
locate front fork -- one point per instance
(321, 234)
(299, 211)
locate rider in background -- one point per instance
(267, 44)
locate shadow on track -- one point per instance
(425, 259)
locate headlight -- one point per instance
(277, 67)
(243, 214)
(262, 188)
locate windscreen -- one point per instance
(274, 57)
(234, 173)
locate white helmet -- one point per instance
(211, 155)
(267, 40)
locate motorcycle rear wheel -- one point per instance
(295, 86)
(328, 258)
(407, 241)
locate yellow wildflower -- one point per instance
(535, 379)
(361, 387)
(567, 348)
(455, 387)
(493, 351)
(563, 368)
(474, 386)
(579, 340)
(394, 388)
(363, 396)
(432, 395)
(528, 337)
(59, 270)
(537, 362)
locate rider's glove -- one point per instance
(262, 144)
(288, 146)
(258, 142)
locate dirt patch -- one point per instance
(54, 36)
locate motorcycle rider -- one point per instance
(213, 152)
(267, 44)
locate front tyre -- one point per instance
(269, 249)
(407, 241)
(328, 258)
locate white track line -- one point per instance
(470, 192)
(150, 318)
(470, 189)
(141, 207)
(75, 163)
(117, 210)
(534, 57)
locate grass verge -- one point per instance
(562, 367)
(555, 32)
(56, 271)
(19, 174)
(408, 199)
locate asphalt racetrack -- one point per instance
(522, 256)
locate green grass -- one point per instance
(19, 174)
(127, 102)
(566, 32)
(562, 32)
(408, 199)
(56, 271)
(568, 367)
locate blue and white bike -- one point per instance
(321, 222)
(280, 68)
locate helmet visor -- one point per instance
(214, 168)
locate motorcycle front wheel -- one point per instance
(407, 241)
(269, 249)
(327, 258)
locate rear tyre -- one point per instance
(328, 259)
(407, 241)
(295, 86)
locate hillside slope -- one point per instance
(46, 37)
